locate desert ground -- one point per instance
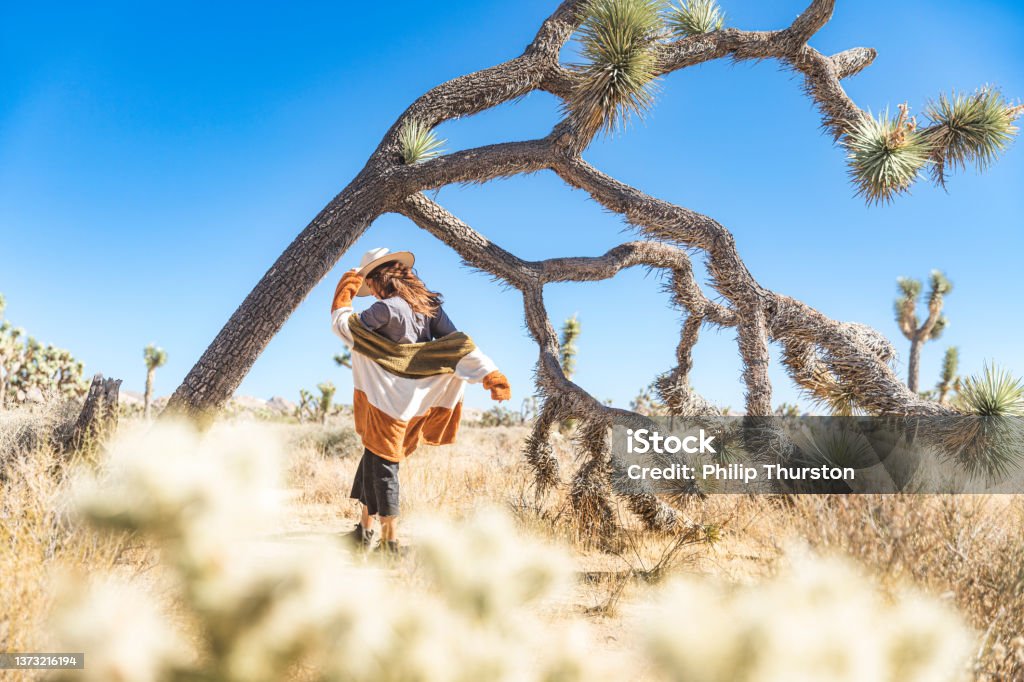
(962, 553)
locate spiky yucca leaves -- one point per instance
(886, 155)
(996, 393)
(419, 143)
(989, 440)
(968, 129)
(618, 40)
(695, 17)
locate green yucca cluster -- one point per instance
(888, 153)
(886, 156)
(618, 40)
(695, 17)
(968, 129)
(996, 393)
(419, 143)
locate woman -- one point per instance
(409, 368)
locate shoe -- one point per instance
(360, 537)
(390, 548)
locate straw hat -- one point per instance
(376, 257)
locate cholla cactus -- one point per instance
(918, 332)
(817, 620)
(155, 358)
(567, 348)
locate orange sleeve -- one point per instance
(346, 289)
(497, 384)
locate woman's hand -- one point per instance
(350, 283)
(498, 385)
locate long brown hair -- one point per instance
(398, 279)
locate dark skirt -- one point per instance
(376, 484)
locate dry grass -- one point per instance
(38, 543)
(966, 550)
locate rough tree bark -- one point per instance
(98, 417)
(835, 362)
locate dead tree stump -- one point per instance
(98, 418)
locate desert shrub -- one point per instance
(499, 415)
(29, 429)
(965, 547)
(36, 537)
(341, 442)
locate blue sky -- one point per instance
(156, 158)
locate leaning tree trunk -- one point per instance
(305, 262)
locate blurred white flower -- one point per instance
(124, 637)
(485, 568)
(817, 620)
(201, 491)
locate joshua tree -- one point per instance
(316, 408)
(27, 367)
(646, 402)
(627, 46)
(8, 344)
(916, 331)
(948, 379)
(567, 348)
(155, 357)
(343, 359)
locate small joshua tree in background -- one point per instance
(949, 380)
(646, 402)
(787, 410)
(567, 348)
(316, 408)
(343, 359)
(918, 332)
(28, 367)
(155, 358)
